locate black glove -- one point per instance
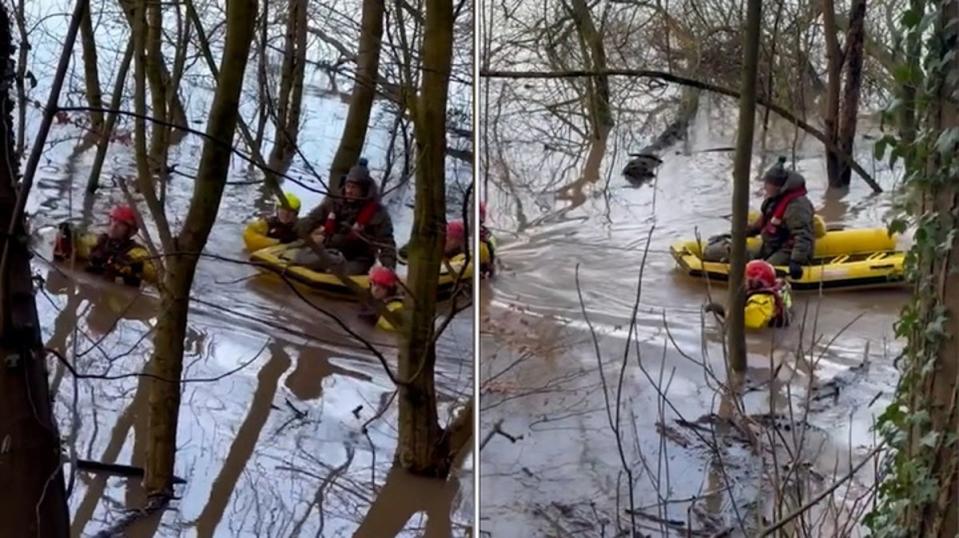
(795, 270)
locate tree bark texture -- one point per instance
(833, 87)
(423, 447)
(849, 109)
(91, 73)
(178, 279)
(290, 98)
(177, 115)
(594, 54)
(735, 320)
(364, 90)
(95, 170)
(30, 471)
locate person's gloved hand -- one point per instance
(795, 270)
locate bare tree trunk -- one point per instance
(177, 115)
(91, 76)
(601, 116)
(364, 90)
(178, 279)
(262, 81)
(23, 49)
(849, 111)
(735, 319)
(422, 447)
(158, 86)
(833, 88)
(30, 471)
(115, 102)
(290, 98)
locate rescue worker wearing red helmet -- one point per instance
(353, 223)
(768, 300)
(384, 287)
(786, 223)
(110, 254)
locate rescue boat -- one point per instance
(843, 259)
(452, 273)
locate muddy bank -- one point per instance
(701, 463)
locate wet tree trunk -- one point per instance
(262, 81)
(735, 320)
(178, 279)
(91, 73)
(177, 115)
(158, 85)
(849, 111)
(423, 447)
(594, 53)
(843, 88)
(104, 143)
(30, 472)
(364, 90)
(290, 99)
(833, 88)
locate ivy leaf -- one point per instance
(879, 150)
(930, 439)
(911, 18)
(897, 226)
(947, 141)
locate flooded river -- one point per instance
(287, 422)
(557, 469)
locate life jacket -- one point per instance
(282, 232)
(365, 215)
(782, 298)
(769, 222)
(111, 258)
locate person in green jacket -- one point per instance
(786, 221)
(354, 224)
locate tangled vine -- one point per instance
(916, 426)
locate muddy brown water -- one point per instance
(561, 473)
(270, 438)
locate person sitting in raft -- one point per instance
(768, 299)
(786, 221)
(282, 224)
(354, 225)
(109, 256)
(384, 285)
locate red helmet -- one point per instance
(383, 276)
(124, 214)
(482, 211)
(455, 230)
(760, 274)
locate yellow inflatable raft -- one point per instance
(85, 242)
(254, 236)
(273, 258)
(855, 258)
